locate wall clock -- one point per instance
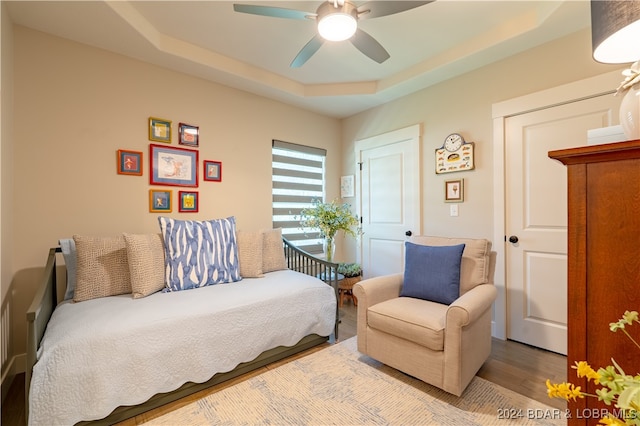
(455, 155)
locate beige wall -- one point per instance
(76, 105)
(464, 105)
(6, 190)
(6, 153)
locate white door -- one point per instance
(390, 203)
(536, 203)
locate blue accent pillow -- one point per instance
(432, 272)
(199, 253)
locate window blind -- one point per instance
(297, 180)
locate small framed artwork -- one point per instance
(187, 202)
(159, 130)
(173, 166)
(213, 171)
(129, 162)
(346, 186)
(188, 135)
(454, 191)
(160, 200)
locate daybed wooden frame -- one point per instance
(46, 300)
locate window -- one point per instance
(298, 180)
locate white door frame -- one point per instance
(414, 133)
(581, 89)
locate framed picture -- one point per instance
(173, 166)
(159, 130)
(129, 162)
(187, 201)
(454, 191)
(346, 186)
(188, 135)
(213, 171)
(160, 200)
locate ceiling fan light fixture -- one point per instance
(337, 23)
(337, 27)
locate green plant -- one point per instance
(618, 388)
(349, 269)
(330, 218)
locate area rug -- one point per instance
(340, 386)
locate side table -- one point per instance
(345, 288)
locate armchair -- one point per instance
(443, 345)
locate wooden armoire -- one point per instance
(603, 261)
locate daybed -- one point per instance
(111, 358)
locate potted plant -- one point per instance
(350, 270)
(352, 273)
(329, 218)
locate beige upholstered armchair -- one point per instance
(443, 344)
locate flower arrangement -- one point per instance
(330, 218)
(618, 388)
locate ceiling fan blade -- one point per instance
(369, 46)
(307, 51)
(375, 9)
(275, 12)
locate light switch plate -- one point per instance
(453, 210)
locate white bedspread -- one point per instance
(99, 354)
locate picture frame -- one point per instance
(160, 200)
(454, 191)
(213, 171)
(173, 166)
(159, 130)
(188, 134)
(188, 201)
(347, 186)
(129, 162)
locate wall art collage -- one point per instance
(170, 166)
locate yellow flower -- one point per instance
(609, 420)
(563, 390)
(585, 370)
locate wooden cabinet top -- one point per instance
(597, 153)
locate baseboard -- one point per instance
(494, 332)
(17, 365)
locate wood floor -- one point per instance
(521, 368)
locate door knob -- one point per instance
(408, 233)
(513, 239)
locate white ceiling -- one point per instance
(428, 44)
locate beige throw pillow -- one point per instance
(146, 263)
(250, 253)
(474, 268)
(103, 268)
(273, 251)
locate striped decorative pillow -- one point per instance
(199, 253)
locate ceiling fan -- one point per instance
(337, 20)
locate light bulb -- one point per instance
(337, 26)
